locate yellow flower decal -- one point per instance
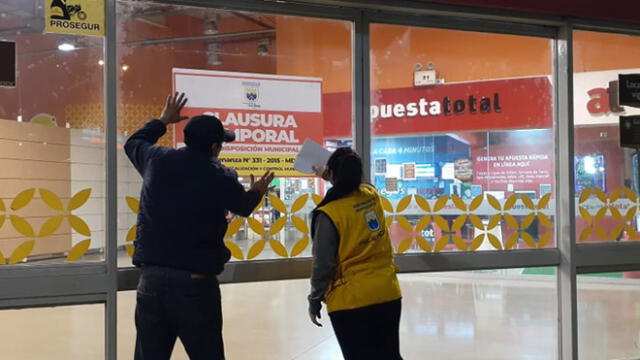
(77, 224)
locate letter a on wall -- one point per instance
(74, 17)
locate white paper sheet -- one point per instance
(311, 154)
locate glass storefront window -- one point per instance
(606, 173)
(462, 138)
(275, 80)
(463, 152)
(506, 314)
(51, 141)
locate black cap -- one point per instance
(204, 130)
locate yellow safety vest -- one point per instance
(365, 274)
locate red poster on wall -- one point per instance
(517, 161)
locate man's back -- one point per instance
(181, 224)
(184, 199)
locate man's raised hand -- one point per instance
(172, 109)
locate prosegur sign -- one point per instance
(74, 17)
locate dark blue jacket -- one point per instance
(185, 196)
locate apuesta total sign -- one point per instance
(446, 106)
(523, 103)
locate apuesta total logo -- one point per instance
(447, 106)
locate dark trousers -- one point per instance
(369, 333)
(172, 303)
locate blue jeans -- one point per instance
(172, 303)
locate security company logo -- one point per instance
(372, 220)
(75, 17)
(251, 93)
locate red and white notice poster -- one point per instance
(271, 115)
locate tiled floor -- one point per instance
(480, 315)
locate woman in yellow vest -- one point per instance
(353, 269)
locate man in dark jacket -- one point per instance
(181, 225)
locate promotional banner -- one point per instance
(75, 17)
(516, 161)
(415, 164)
(270, 115)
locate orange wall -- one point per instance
(149, 77)
(323, 48)
(603, 51)
(48, 81)
(316, 48)
(457, 55)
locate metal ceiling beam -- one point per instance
(247, 35)
(252, 20)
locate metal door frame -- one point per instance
(90, 283)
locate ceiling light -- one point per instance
(263, 50)
(100, 62)
(263, 47)
(66, 46)
(213, 54)
(210, 25)
(125, 67)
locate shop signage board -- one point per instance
(630, 131)
(629, 95)
(629, 89)
(74, 17)
(504, 104)
(271, 116)
(7, 64)
(524, 103)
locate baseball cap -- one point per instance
(206, 130)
